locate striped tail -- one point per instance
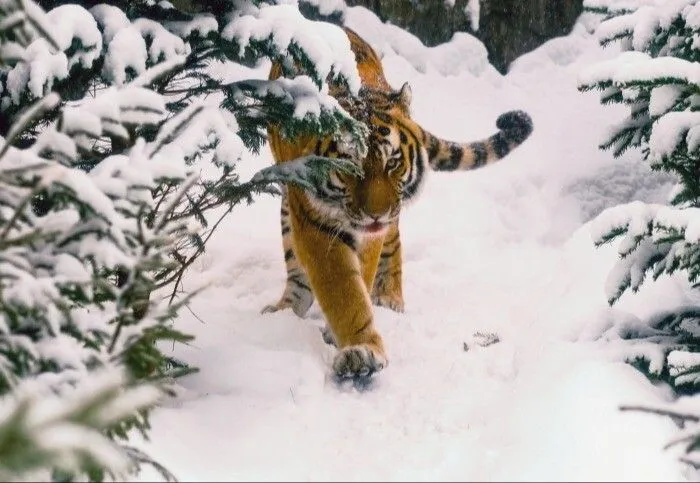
(515, 127)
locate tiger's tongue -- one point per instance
(374, 227)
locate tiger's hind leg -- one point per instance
(387, 290)
(297, 293)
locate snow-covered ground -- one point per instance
(505, 250)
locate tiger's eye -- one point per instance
(393, 163)
(384, 131)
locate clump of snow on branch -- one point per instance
(326, 45)
(201, 25)
(186, 133)
(73, 23)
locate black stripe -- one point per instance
(500, 145)
(299, 283)
(410, 190)
(456, 154)
(433, 148)
(393, 239)
(364, 326)
(288, 255)
(332, 232)
(411, 152)
(285, 230)
(333, 188)
(394, 273)
(409, 176)
(391, 253)
(480, 154)
(416, 173)
(386, 118)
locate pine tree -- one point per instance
(114, 148)
(657, 76)
(216, 133)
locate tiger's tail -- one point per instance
(514, 128)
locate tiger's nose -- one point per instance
(383, 216)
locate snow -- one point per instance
(163, 43)
(111, 19)
(138, 105)
(643, 17)
(668, 131)
(60, 144)
(38, 73)
(49, 419)
(506, 252)
(127, 45)
(126, 50)
(663, 99)
(71, 22)
(201, 24)
(473, 8)
(175, 141)
(35, 110)
(632, 67)
(300, 91)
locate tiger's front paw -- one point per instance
(361, 360)
(394, 303)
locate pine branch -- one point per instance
(38, 109)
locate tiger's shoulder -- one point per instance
(369, 65)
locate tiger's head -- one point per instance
(399, 152)
(393, 168)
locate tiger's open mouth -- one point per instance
(374, 228)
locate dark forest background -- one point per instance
(508, 28)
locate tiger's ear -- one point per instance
(405, 95)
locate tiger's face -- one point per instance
(393, 169)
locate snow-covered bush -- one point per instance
(72, 272)
(657, 75)
(112, 153)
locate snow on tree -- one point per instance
(68, 334)
(658, 77)
(117, 139)
(224, 117)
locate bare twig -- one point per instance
(662, 412)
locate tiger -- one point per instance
(342, 243)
